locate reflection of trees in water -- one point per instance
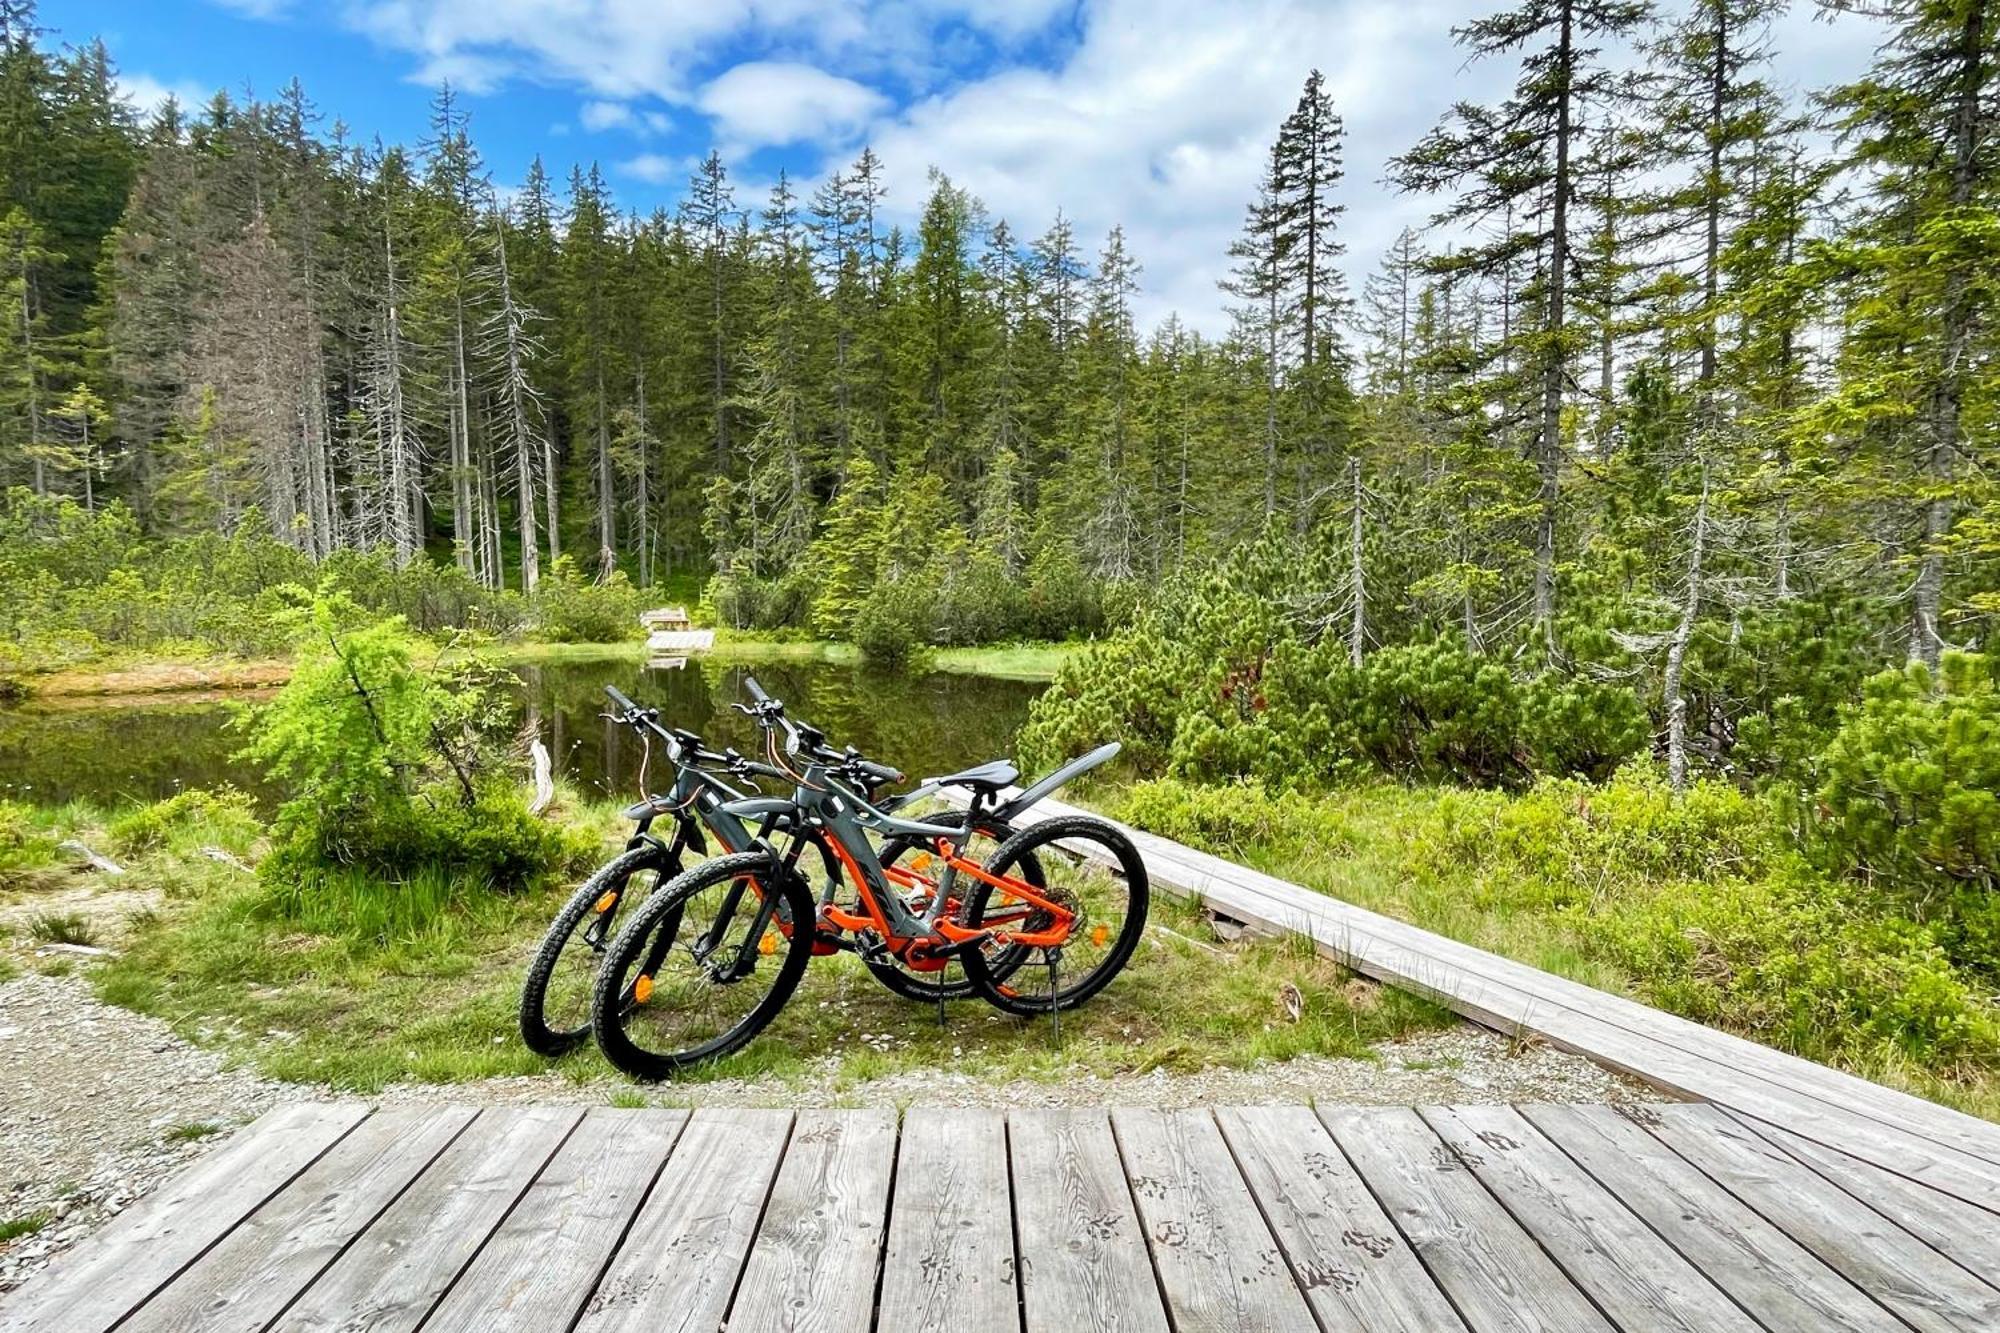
(921, 724)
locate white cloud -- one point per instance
(655, 168)
(149, 94)
(620, 49)
(598, 116)
(606, 116)
(767, 102)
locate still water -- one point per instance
(143, 749)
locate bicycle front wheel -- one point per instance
(703, 966)
(555, 998)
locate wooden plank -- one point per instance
(1920, 1285)
(1494, 1272)
(542, 1264)
(1218, 1263)
(812, 1267)
(1783, 1284)
(1968, 1235)
(950, 1261)
(1356, 1271)
(1083, 1261)
(396, 1270)
(678, 1266)
(277, 1252)
(1897, 1131)
(103, 1279)
(1628, 1271)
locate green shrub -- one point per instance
(1909, 790)
(391, 768)
(1237, 817)
(28, 852)
(1302, 715)
(1908, 801)
(569, 608)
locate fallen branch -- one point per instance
(228, 858)
(545, 778)
(90, 858)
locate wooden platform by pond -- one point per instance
(1561, 1218)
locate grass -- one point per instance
(1008, 661)
(1693, 907)
(369, 984)
(194, 1131)
(13, 1228)
(61, 928)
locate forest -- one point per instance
(1609, 578)
(1685, 355)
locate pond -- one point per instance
(147, 747)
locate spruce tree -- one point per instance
(1519, 163)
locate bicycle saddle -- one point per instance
(1000, 773)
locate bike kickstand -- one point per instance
(1055, 1000)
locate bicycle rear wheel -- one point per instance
(703, 966)
(555, 997)
(1090, 869)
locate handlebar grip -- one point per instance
(755, 691)
(879, 772)
(623, 704)
(766, 770)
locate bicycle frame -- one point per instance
(838, 819)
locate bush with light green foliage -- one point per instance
(148, 828)
(569, 608)
(1908, 800)
(392, 767)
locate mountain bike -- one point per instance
(555, 998)
(1039, 925)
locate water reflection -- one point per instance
(145, 748)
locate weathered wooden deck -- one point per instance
(1560, 1218)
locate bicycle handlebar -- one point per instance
(755, 690)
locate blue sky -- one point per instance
(1153, 113)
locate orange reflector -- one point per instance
(1099, 934)
(920, 862)
(768, 945)
(642, 989)
(605, 903)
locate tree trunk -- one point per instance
(607, 499)
(463, 519)
(1357, 630)
(1956, 326)
(1676, 698)
(1548, 448)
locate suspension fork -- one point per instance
(767, 906)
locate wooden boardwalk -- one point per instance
(1557, 1218)
(1849, 1116)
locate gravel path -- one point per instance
(98, 1105)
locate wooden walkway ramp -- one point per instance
(1907, 1135)
(1558, 1218)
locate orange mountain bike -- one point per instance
(1039, 924)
